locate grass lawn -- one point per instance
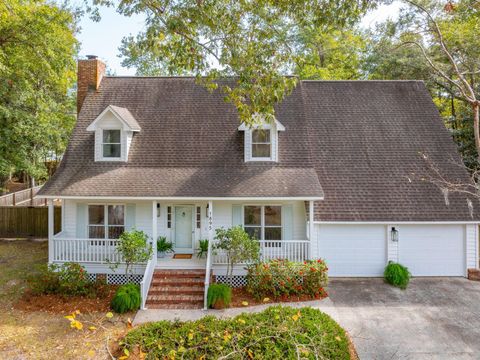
(44, 335)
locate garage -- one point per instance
(353, 250)
(432, 250)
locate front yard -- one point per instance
(32, 334)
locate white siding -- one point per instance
(143, 216)
(472, 246)
(70, 218)
(109, 121)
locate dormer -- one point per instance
(114, 129)
(261, 140)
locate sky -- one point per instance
(103, 38)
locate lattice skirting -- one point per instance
(235, 281)
(117, 279)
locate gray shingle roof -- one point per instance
(359, 140)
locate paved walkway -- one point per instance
(435, 318)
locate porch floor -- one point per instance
(168, 262)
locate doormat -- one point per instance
(182, 256)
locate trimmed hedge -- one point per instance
(276, 333)
(397, 275)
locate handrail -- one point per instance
(146, 281)
(207, 274)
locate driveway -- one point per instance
(435, 318)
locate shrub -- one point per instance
(163, 245)
(276, 333)
(284, 278)
(127, 298)
(221, 293)
(74, 280)
(46, 280)
(202, 248)
(397, 275)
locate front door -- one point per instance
(183, 229)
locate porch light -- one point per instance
(394, 234)
(158, 210)
(206, 213)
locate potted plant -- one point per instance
(163, 246)
(203, 248)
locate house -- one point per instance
(331, 178)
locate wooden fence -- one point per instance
(27, 221)
(23, 198)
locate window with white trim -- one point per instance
(263, 222)
(111, 143)
(261, 144)
(106, 221)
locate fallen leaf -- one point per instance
(109, 315)
(245, 303)
(92, 328)
(266, 299)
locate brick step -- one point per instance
(178, 272)
(180, 276)
(174, 298)
(175, 306)
(176, 282)
(187, 290)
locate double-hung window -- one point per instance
(106, 221)
(111, 144)
(261, 144)
(263, 222)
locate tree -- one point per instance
(253, 41)
(37, 72)
(134, 248)
(238, 247)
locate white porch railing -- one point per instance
(99, 251)
(146, 281)
(293, 250)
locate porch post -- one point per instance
(154, 231)
(208, 268)
(310, 229)
(50, 230)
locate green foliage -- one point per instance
(37, 72)
(397, 275)
(276, 333)
(69, 279)
(256, 42)
(127, 298)
(219, 292)
(163, 245)
(237, 245)
(282, 278)
(202, 248)
(134, 248)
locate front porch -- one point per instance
(184, 223)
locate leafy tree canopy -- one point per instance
(257, 42)
(37, 70)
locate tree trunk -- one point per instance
(476, 124)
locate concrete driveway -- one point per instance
(435, 318)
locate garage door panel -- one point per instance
(352, 250)
(432, 250)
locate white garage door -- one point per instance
(353, 250)
(432, 250)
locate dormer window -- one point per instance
(261, 144)
(114, 129)
(112, 145)
(261, 140)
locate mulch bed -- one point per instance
(239, 295)
(59, 304)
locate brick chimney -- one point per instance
(90, 73)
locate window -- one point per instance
(263, 222)
(111, 144)
(261, 143)
(106, 221)
(199, 217)
(169, 217)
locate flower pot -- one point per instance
(219, 305)
(161, 254)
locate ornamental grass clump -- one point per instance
(276, 333)
(397, 275)
(283, 278)
(127, 298)
(219, 296)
